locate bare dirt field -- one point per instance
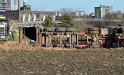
(65, 62)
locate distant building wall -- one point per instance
(30, 16)
(97, 12)
(5, 5)
(102, 11)
(12, 15)
(34, 15)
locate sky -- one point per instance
(83, 5)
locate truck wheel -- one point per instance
(93, 32)
(61, 29)
(93, 29)
(95, 46)
(70, 29)
(49, 29)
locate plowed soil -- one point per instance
(61, 62)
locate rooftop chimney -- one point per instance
(15, 3)
(9, 4)
(18, 4)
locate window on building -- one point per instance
(38, 15)
(106, 10)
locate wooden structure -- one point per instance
(29, 35)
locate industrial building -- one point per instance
(5, 5)
(102, 11)
(25, 14)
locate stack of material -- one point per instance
(93, 31)
(104, 31)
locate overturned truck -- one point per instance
(107, 37)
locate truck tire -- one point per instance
(93, 29)
(93, 32)
(70, 29)
(122, 43)
(95, 46)
(49, 29)
(61, 29)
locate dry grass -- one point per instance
(11, 45)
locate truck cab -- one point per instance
(4, 28)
